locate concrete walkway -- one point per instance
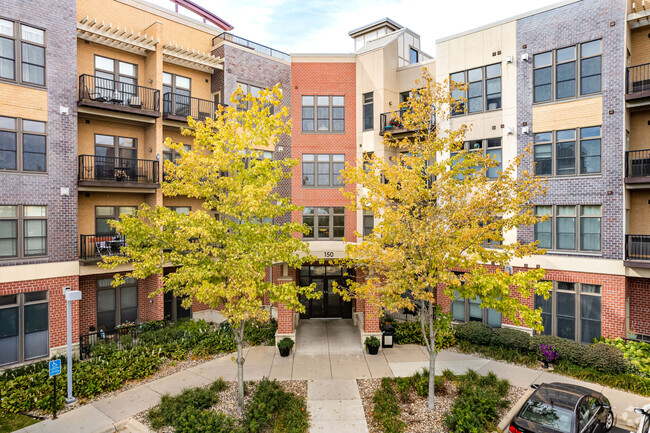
(329, 356)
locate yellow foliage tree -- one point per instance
(440, 209)
(222, 251)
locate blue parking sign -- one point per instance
(55, 367)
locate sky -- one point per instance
(322, 26)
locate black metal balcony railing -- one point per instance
(94, 168)
(178, 105)
(637, 79)
(389, 122)
(637, 163)
(94, 247)
(637, 247)
(252, 45)
(117, 94)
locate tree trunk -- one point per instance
(432, 363)
(239, 338)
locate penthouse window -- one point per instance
(572, 311)
(569, 228)
(22, 145)
(323, 114)
(569, 152)
(567, 72)
(23, 231)
(483, 90)
(22, 53)
(324, 223)
(322, 170)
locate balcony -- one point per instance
(95, 247)
(112, 171)
(637, 84)
(637, 169)
(114, 95)
(637, 251)
(263, 49)
(178, 107)
(392, 122)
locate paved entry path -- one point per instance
(329, 356)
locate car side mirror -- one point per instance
(639, 411)
(534, 386)
(606, 406)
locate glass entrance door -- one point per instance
(330, 304)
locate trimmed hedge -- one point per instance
(411, 333)
(601, 357)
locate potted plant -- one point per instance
(546, 354)
(285, 345)
(372, 344)
(395, 123)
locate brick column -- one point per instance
(371, 318)
(286, 325)
(150, 308)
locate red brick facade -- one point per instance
(638, 292)
(324, 79)
(613, 295)
(57, 304)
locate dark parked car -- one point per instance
(562, 408)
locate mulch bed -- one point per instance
(415, 412)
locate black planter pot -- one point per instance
(285, 352)
(373, 350)
(545, 364)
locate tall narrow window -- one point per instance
(590, 150)
(547, 313)
(590, 223)
(565, 154)
(34, 147)
(116, 305)
(33, 55)
(414, 55)
(7, 50)
(8, 231)
(543, 229)
(565, 72)
(543, 154)
(494, 151)
(368, 111)
(368, 223)
(542, 77)
(338, 113)
(566, 228)
(177, 94)
(308, 170)
(493, 86)
(323, 113)
(590, 312)
(566, 310)
(35, 229)
(308, 107)
(8, 144)
(475, 90)
(24, 327)
(458, 95)
(590, 67)
(458, 308)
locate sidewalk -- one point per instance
(331, 363)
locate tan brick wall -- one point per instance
(87, 206)
(640, 52)
(89, 127)
(21, 101)
(86, 52)
(639, 130)
(567, 115)
(639, 212)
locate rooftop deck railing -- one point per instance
(252, 45)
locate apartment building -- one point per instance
(554, 79)
(38, 154)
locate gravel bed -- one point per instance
(415, 413)
(228, 400)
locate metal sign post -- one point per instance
(55, 370)
(70, 296)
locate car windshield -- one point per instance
(541, 413)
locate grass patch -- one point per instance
(14, 421)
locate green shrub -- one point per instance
(474, 332)
(479, 400)
(411, 333)
(167, 413)
(193, 420)
(273, 408)
(257, 333)
(624, 381)
(218, 386)
(636, 352)
(605, 358)
(387, 411)
(511, 339)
